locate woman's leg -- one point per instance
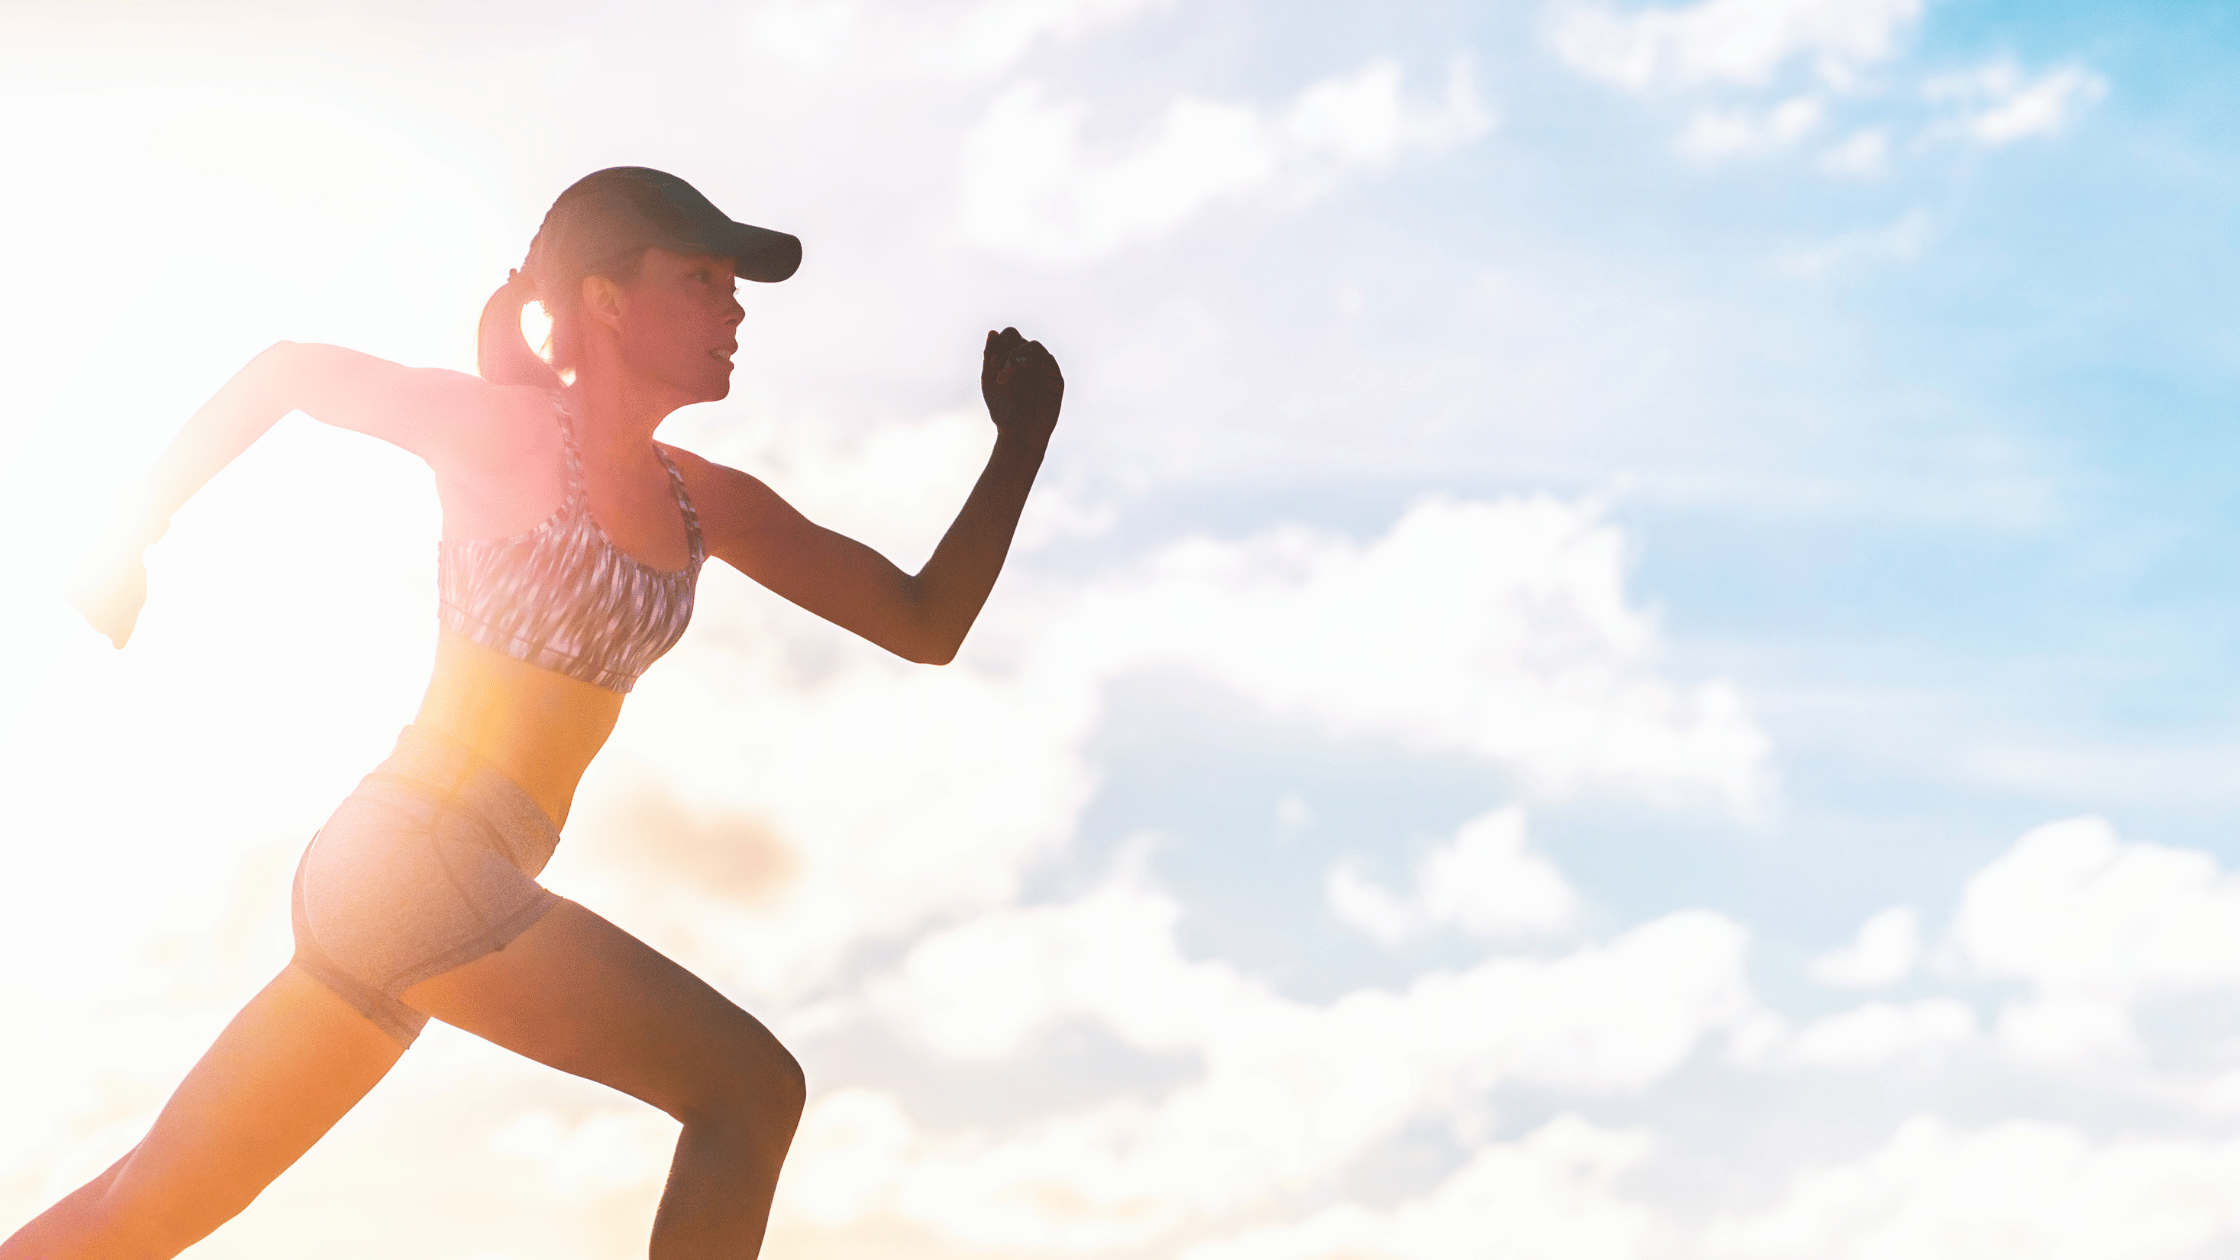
(289, 1065)
(573, 991)
(582, 995)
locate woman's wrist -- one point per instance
(136, 526)
(1012, 443)
(1017, 458)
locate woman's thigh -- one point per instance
(577, 993)
(291, 1064)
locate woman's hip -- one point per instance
(428, 865)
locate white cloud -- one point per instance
(2093, 924)
(2069, 1030)
(605, 1151)
(846, 1157)
(1549, 1196)
(1714, 133)
(1365, 120)
(1901, 240)
(1883, 953)
(810, 33)
(1875, 1035)
(1759, 1039)
(1485, 881)
(945, 39)
(1731, 47)
(1882, 1032)
(1998, 104)
(2072, 908)
(1369, 908)
(1863, 153)
(1499, 629)
(993, 34)
(2220, 1093)
(1729, 41)
(981, 988)
(1290, 1093)
(1030, 188)
(2020, 1189)
(1111, 956)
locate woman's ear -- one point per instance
(602, 301)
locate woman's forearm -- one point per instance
(110, 582)
(956, 580)
(242, 411)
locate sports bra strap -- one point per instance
(579, 489)
(684, 506)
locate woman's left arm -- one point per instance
(921, 617)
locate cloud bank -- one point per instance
(1031, 188)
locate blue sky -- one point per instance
(1621, 652)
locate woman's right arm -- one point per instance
(428, 412)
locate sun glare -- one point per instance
(289, 624)
(536, 327)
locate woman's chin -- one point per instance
(707, 387)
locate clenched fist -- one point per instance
(1020, 382)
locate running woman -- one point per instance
(572, 541)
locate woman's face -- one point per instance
(680, 324)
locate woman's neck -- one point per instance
(612, 421)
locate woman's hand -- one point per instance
(109, 585)
(1020, 382)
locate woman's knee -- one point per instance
(773, 1081)
(758, 1083)
(791, 1086)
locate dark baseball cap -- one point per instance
(626, 208)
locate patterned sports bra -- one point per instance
(562, 596)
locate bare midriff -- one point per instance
(539, 728)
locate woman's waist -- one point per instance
(537, 728)
(433, 778)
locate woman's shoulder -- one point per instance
(521, 406)
(690, 465)
(732, 504)
(705, 477)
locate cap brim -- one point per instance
(757, 253)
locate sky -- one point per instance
(1622, 650)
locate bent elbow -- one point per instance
(920, 651)
(277, 362)
(931, 649)
(930, 640)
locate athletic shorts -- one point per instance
(429, 865)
